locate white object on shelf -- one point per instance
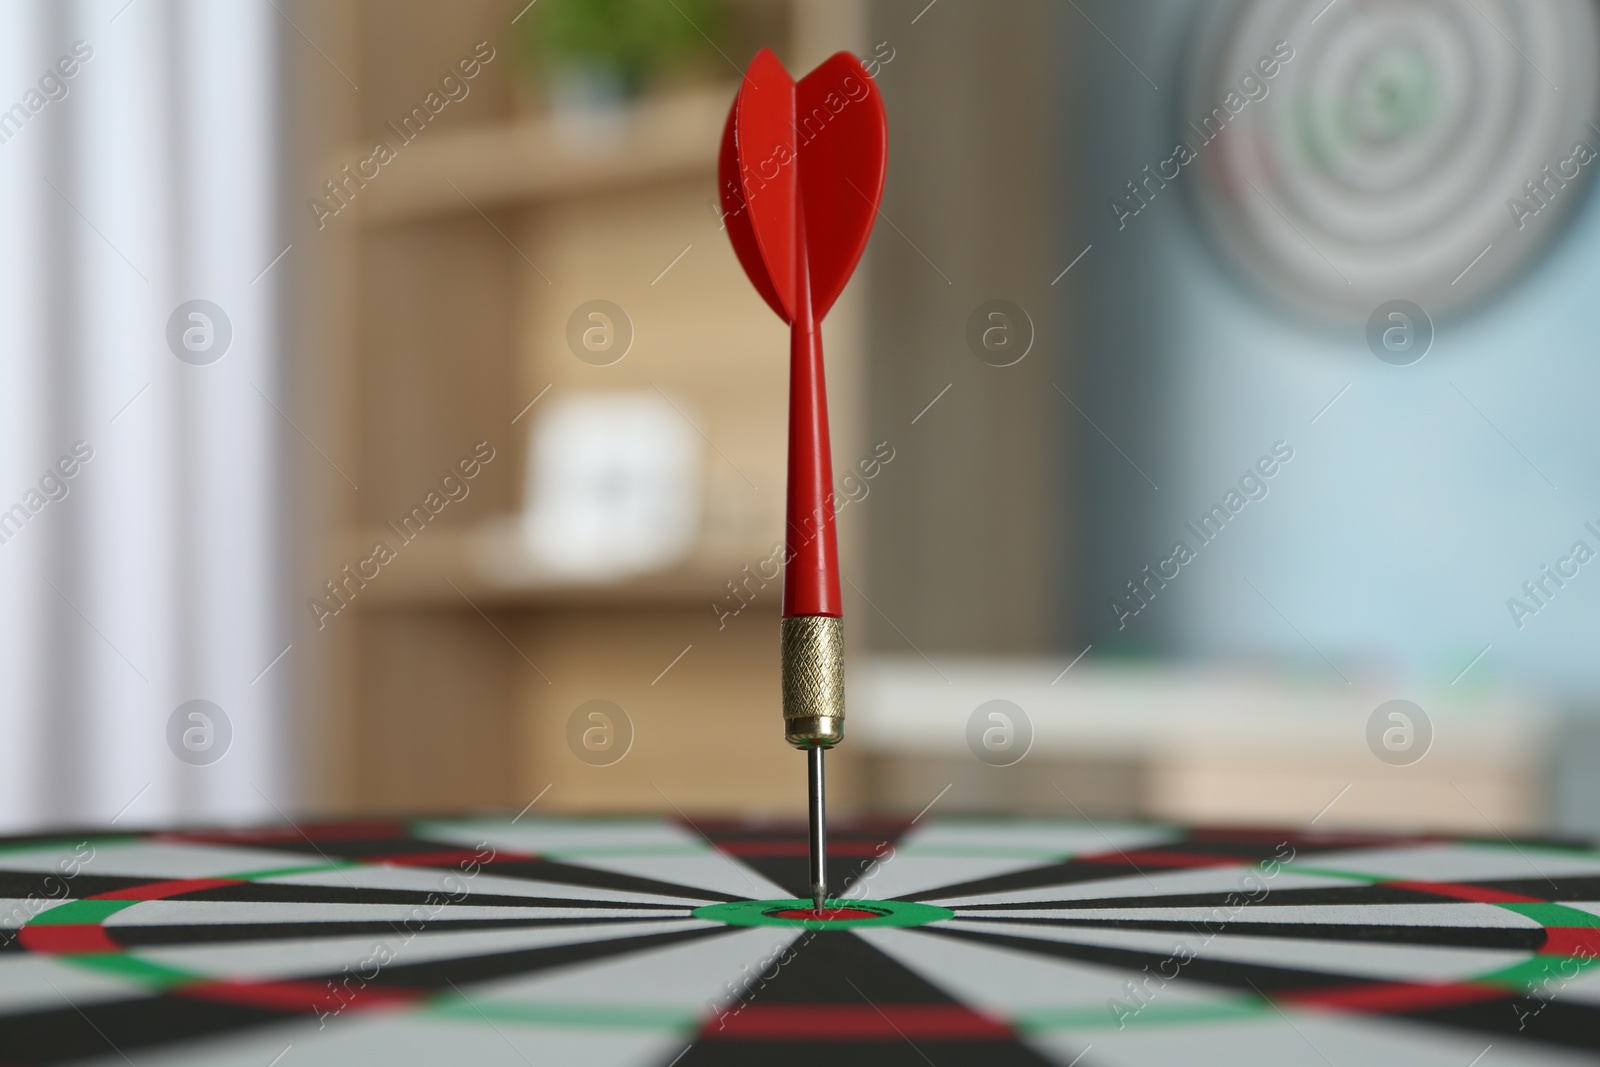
(614, 485)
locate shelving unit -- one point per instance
(459, 666)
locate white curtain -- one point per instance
(149, 578)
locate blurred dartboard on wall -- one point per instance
(1362, 150)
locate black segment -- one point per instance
(824, 970)
(134, 937)
(104, 1029)
(779, 851)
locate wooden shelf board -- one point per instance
(490, 165)
(440, 568)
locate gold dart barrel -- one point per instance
(813, 680)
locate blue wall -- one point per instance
(1395, 535)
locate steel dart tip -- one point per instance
(819, 826)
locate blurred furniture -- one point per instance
(1200, 745)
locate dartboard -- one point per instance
(1352, 152)
(656, 942)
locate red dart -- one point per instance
(801, 172)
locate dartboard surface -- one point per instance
(656, 942)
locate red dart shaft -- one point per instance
(812, 631)
(811, 578)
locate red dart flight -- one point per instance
(801, 174)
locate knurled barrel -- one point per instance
(813, 680)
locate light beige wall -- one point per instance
(967, 545)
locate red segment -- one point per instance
(883, 826)
(1393, 997)
(855, 1022)
(307, 997)
(67, 939)
(1457, 891)
(825, 915)
(163, 890)
(1163, 858)
(1580, 941)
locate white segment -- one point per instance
(644, 848)
(1559, 983)
(1361, 959)
(19, 911)
(1312, 1040)
(941, 853)
(230, 912)
(903, 874)
(310, 956)
(1590, 906)
(560, 838)
(393, 1038)
(1456, 862)
(1006, 983)
(453, 882)
(1040, 837)
(1156, 884)
(136, 858)
(700, 977)
(1449, 915)
(25, 985)
(706, 870)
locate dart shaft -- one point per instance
(819, 826)
(811, 567)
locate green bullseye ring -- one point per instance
(761, 913)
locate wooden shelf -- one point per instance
(445, 568)
(490, 165)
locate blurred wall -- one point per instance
(968, 549)
(1415, 505)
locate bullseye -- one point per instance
(825, 915)
(834, 914)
